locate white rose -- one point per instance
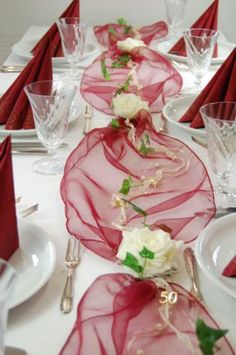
(166, 250)
(128, 105)
(129, 43)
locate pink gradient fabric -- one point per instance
(96, 169)
(155, 74)
(119, 315)
(208, 20)
(147, 34)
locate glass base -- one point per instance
(73, 77)
(49, 166)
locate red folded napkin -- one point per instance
(230, 269)
(209, 20)
(73, 10)
(9, 235)
(222, 87)
(15, 109)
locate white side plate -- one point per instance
(34, 261)
(224, 50)
(175, 109)
(215, 247)
(23, 49)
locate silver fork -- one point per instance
(28, 211)
(72, 260)
(88, 114)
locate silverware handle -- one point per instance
(87, 125)
(191, 266)
(67, 295)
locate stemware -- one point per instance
(220, 122)
(50, 102)
(200, 43)
(7, 280)
(73, 37)
(175, 10)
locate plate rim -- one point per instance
(56, 60)
(200, 260)
(192, 131)
(182, 59)
(50, 266)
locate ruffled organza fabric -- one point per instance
(121, 315)
(95, 170)
(147, 34)
(157, 78)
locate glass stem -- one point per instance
(198, 81)
(52, 153)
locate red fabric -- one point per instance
(230, 269)
(95, 170)
(156, 75)
(119, 315)
(209, 20)
(73, 10)
(147, 34)
(15, 110)
(9, 235)
(222, 87)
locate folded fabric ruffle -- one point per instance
(156, 79)
(108, 35)
(123, 315)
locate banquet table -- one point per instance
(37, 325)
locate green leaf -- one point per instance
(144, 147)
(117, 65)
(112, 30)
(132, 262)
(121, 21)
(115, 123)
(126, 186)
(124, 87)
(105, 73)
(147, 254)
(121, 61)
(208, 336)
(136, 208)
(127, 29)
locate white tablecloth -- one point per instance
(37, 325)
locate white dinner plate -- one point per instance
(175, 109)
(34, 261)
(23, 49)
(215, 247)
(224, 50)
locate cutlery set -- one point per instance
(88, 114)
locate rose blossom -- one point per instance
(129, 43)
(128, 105)
(166, 250)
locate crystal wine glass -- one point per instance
(50, 102)
(73, 37)
(7, 280)
(175, 10)
(220, 123)
(200, 43)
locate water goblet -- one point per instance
(220, 123)
(73, 37)
(200, 43)
(175, 15)
(50, 102)
(7, 280)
